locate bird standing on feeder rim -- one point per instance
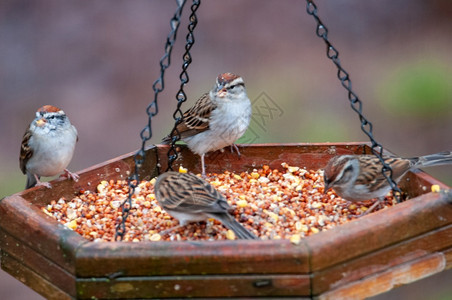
(47, 146)
(359, 177)
(189, 198)
(218, 118)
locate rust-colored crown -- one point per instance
(226, 77)
(48, 108)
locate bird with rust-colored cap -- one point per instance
(47, 146)
(218, 118)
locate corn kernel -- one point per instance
(216, 183)
(255, 175)
(47, 212)
(242, 197)
(436, 188)
(155, 237)
(274, 216)
(352, 207)
(150, 197)
(230, 235)
(153, 180)
(316, 205)
(237, 177)
(269, 225)
(182, 170)
(295, 239)
(72, 224)
(314, 230)
(293, 169)
(101, 187)
(242, 203)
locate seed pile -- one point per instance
(270, 203)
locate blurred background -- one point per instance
(97, 61)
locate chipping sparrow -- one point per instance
(189, 198)
(358, 177)
(217, 119)
(47, 146)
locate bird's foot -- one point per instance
(69, 175)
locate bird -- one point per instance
(218, 119)
(47, 146)
(359, 177)
(188, 198)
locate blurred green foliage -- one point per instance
(11, 183)
(419, 89)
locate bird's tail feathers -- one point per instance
(231, 223)
(31, 181)
(437, 159)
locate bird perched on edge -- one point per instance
(47, 146)
(359, 177)
(189, 198)
(218, 118)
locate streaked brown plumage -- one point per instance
(218, 119)
(359, 177)
(189, 198)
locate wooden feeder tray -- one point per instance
(365, 257)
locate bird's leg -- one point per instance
(69, 175)
(234, 146)
(203, 166)
(41, 183)
(377, 203)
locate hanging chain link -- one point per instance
(356, 104)
(181, 96)
(151, 111)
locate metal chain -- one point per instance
(356, 104)
(181, 96)
(151, 111)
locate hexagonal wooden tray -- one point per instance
(362, 258)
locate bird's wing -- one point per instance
(375, 177)
(188, 192)
(196, 119)
(25, 151)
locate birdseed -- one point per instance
(273, 204)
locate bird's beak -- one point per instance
(326, 188)
(222, 93)
(41, 122)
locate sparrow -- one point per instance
(359, 177)
(218, 118)
(189, 198)
(47, 146)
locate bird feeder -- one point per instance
(365, 257)
(362, 258)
